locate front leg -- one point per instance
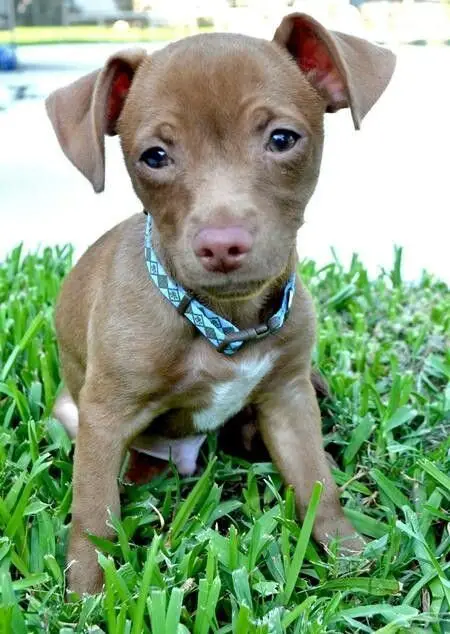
(291, 428)
(106, 428)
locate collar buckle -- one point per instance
(248, 334)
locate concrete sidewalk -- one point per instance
(387, 184)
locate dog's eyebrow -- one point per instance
(252, 105)
(164, 129)
(262, 114)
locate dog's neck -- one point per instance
(254, 310)
(243, 312)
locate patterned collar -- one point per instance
(220, 332)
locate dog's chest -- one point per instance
(228, 397)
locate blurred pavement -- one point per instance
(387, 184)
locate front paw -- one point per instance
(339, 529)
(84, 573)
(84, 580)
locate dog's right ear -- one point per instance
(83, 112)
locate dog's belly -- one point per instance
(229, 397)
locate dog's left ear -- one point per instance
(347, 71)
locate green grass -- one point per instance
(225, 552)
(80, 34)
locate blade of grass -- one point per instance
(174, 610)
(187, 508)
(31, 331)
(436, 474)
(367, 585)
(149, 567)
(293, 571)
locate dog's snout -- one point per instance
(222, 250)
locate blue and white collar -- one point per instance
(220, 332)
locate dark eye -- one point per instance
(155, 157)
(282, 140)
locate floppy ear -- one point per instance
(83, 112)
(347, 71)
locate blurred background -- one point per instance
(386, 185)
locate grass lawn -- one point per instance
(79, 34)
(225, 552)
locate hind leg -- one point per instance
(66, 411)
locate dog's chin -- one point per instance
(235, 286)
(234, 291)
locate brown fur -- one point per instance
(130, 361)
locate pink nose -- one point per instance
(222, 250)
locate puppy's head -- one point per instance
(222, 137)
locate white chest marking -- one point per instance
(229, 397)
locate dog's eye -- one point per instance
(155, 157)
(282, 140)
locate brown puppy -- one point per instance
(222, 137)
